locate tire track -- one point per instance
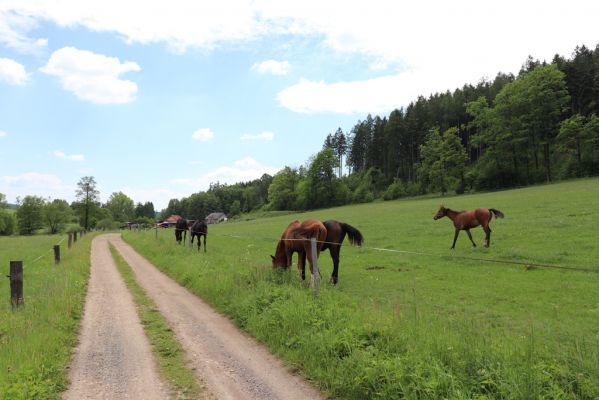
(113, 359)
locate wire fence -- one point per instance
(527, 264)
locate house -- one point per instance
(216, 218)
(170, 221)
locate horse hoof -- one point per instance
(333, 281)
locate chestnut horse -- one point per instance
(336, 232)
(199, 229)
(181, 227)
(296, 239)
(465, 220)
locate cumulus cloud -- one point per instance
(14, 29)
(266, 136)
(243, 170)
(272, 67)
(92, 77)
(392, 38)
(203, 135)
(12, 72)
(71, 157)
(35, 183)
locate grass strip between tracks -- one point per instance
(169, 354)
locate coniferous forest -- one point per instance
(539, 126)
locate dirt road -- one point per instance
(113, 359)
(231, 364)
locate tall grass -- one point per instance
(431, 326)
(37, 339)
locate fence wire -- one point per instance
(526, 264)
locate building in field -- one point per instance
(216, 218)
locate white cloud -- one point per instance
(12, 72)
(71, 157)
(14, 27)
(35, 183)
(272, 67)
(203, 134)
(267, 136)
(243, 170)
(92, 77)
(376, 95)
(444, 44)
(3, 134)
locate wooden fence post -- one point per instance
(16, 284)
(56, 254)
(75, 237)
(156, 229)
(315, 272)
(70, 239)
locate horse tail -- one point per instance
(498, 214)
(354, 235)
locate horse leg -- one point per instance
(470, 236)
(455, 237)
(487, 236)
(204, 242)
(301, 264)
(335, 250)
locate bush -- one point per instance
(8, 223)
(394, 190)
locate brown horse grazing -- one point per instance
(465, 220)
(336, 232)
(296, 239)
(181, 227)
(199, 229)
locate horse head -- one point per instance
(279, 262)
(442, 212)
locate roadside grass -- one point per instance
(403, 325)
(36, 340)
(169, 354)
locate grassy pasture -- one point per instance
(36, 340)
(403, 325)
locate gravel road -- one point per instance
(232, 365)
(113, 359)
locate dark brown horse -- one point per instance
(181, 227)
(199, 229)
(336, 232)
(466, 220)
(296, 239)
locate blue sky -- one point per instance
(158, 99)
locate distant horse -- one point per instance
(336, 232)
(199, 229)
(465, 220)
(296, 239)
(181, 227)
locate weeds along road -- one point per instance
(113, 359)
(231, 364)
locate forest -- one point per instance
(539, 126)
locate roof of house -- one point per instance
(216, 216)
(172, 219)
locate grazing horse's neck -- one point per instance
(280, 253)
(452, 214)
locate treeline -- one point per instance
(230, 199)
(538, 126)
(34, 213)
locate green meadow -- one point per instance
(411, 318)
(36, 339)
